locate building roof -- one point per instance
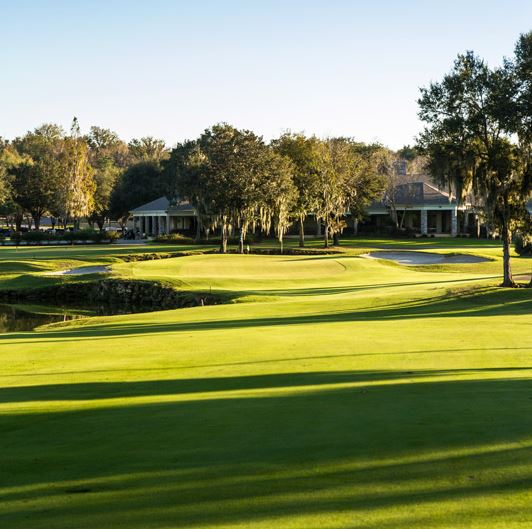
(159, 204)
(162, 206)
(417, 194)
(422, 194)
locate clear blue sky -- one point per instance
(172, 68)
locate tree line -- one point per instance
(69, 176)
(235, 180)
(476, 141)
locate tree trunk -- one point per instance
(281, 243)
(77, 222)
(393, 214)
(18, 223)
(100, 223)
(37, 221)
(336, 239)
(223, 242)
(507, 267)
(198, 229)
(241, 240)
(326, 236)
(301, 232)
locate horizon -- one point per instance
(171, 70)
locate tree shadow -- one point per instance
(226, 459)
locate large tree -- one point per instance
(147, 149)
(74, 194)
(235, 166)
(304, 153)
(185, 178)
(348, 179)
(37, 178)
(474, 116)
(138, 184)
(108, 156)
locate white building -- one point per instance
(160, 217)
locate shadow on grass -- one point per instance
(236, 460)
(107, 390)
(332, 290)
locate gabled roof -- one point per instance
(159, 204)
(162, 206)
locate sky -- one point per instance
(170, 69)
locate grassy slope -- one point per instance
(356, 394)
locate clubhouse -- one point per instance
(421, 208)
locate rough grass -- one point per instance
(358, 393)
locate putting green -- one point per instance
(338, 392)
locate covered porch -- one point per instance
(152, 225)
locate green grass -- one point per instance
(340, 392)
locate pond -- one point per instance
(16, 318)
(24, 317)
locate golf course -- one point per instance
(325, 391)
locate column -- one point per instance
(454, 222)
(168, 227)
(424, 229)
(142, 225)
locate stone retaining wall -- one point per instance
(113, 292)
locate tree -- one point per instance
(186, 180)
(303, 152)
(367, 177)
(74, 196)
(138, 184)
(280, 195)
(473, 116)
(348, 181)
(108, 157)
(36, 178)
(9, 159)
(234, 166)
(147, 149)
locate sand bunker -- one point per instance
(426, 258)
(82, 270)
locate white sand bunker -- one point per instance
(425, 258)
(82, 270)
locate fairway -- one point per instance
(330, 391)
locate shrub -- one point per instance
(174, 238)
(35, 236)
(84, 235)
(523, 244)
(111, 236)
